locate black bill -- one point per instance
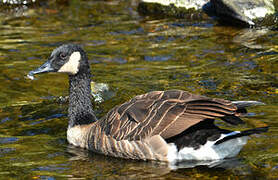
(46, 67)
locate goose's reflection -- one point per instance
(93, 164)
(106, 166)
(222, 163)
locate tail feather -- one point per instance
(242, 133)
(243, 104)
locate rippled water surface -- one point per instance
(132, 54)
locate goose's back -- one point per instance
(164, 113)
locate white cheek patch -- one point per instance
(71, 67)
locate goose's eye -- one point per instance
(63, 55)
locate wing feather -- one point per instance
(164, 113)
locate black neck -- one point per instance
(80, 105)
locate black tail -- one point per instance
(243, 133)
(241, 105)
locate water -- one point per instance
(132, 54)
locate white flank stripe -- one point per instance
(208, 151)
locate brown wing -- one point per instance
(166, 113)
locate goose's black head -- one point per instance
(67, 58)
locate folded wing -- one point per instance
(164, 113)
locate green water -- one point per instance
(133, 54)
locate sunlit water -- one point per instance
(132, 54)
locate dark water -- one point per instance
(132, 54)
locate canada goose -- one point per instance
(170, 126)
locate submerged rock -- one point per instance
(248, 37)
(101, 92)
(251, 12)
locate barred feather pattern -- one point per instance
(153, 148)
(138, 129)
(165, 113)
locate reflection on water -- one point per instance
(114, 167)
(121, 168)
(249, 38)
(130, 54)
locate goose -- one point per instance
(170, 126)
